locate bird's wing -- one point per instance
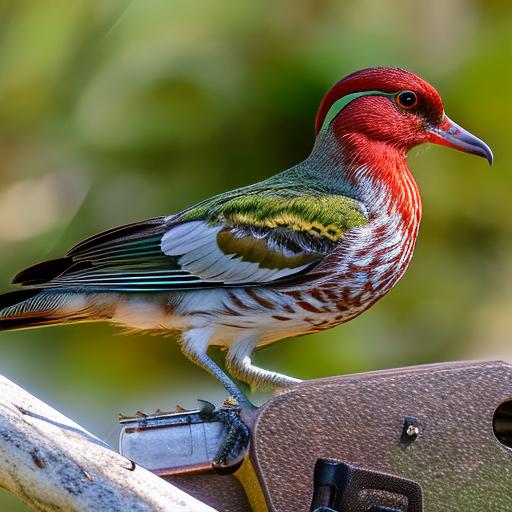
(260, 238)
(245, 240)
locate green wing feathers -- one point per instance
(326, 216)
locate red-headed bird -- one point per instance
(305, 250)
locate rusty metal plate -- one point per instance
(224, 493)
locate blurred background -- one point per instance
(112, 112)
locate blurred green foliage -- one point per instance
(116, 111)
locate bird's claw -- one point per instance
(236, 442)
(206, 409)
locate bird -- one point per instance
(302, 251)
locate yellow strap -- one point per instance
(251, 485)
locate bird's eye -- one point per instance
(406, 99)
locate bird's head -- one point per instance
(394, 107)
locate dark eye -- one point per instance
(406, 99)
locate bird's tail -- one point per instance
(36, 307)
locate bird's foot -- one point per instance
(235, 444)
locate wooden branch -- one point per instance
(53, 464)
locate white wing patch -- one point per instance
(195, 245)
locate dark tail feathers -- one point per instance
(24, 309)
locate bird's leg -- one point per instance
(194, 345)
(239, 364)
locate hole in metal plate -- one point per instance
(502, 423)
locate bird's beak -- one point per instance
(450, 134)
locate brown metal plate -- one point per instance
(359, 419)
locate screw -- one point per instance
(412, 431)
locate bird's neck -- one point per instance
(374, 172)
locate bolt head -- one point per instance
(412, 431)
